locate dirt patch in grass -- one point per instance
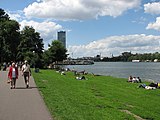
(135, 116)
(103, 106)
(97, 93)
(130, 106)
(44, 81)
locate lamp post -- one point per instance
(34, 62)
(1, 52)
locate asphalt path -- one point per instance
(21, 103)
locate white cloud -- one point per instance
(154, 25)
(117, 44)
(47, 30)
(16, 15)
(152, 8)
(79, 9)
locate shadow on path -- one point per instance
(21, 103)
(28, 88)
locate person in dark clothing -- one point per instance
(139, 79)
(153, 85)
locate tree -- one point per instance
(125, 56)
(9, 37)
(46, 58)
(57, 52)
(31, 46)
(12, 39)
(3, 18)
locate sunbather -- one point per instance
(81, 78)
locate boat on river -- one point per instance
(135, 61)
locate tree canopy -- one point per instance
(9, 37)
(16, 45)
(57, 51)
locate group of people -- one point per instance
(78, 75)
(134, 79)
(150, 86)
(13, 74)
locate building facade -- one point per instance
(62, 37)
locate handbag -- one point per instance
(8, 81)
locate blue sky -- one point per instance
(92, 26)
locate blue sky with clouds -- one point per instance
(92, 26)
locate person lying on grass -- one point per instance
(63, 73)
(81, 78)
(150, 86)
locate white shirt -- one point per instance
(26, 68)
(13, 73)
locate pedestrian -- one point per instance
(26, 72)
(21, 64)
(4, 66)
(13, 75)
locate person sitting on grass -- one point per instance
(139, 79)
(134, 79)
(130, 78)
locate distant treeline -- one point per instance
(128, 57)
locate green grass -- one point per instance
(98, 98)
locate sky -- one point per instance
(93, 27)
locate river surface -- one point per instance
(145, 70)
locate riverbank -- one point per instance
(97, 98)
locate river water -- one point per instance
(145, 70)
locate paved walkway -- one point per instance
(21, 103)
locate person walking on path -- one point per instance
(26, 72)
(13, 75)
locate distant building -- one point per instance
(62, 37)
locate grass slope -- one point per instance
(98, 98)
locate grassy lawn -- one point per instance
(98, 98)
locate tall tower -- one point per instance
(62, 37)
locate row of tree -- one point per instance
(16, 45)
(128, 56)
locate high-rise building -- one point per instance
(62, 37)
